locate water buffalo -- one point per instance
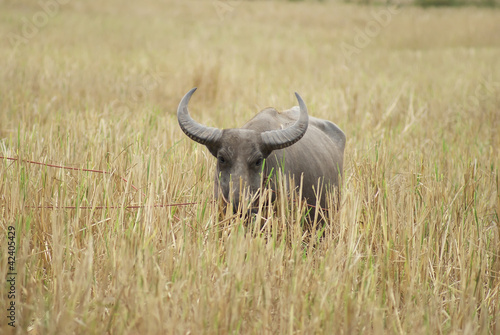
(300, 145)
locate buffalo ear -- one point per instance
(265, 151)
(214, 149)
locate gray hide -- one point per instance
(303, 146)
(318, 156)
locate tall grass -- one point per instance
(414, 247)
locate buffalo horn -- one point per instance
(195, 131)
(282, 138)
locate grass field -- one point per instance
(414, 248)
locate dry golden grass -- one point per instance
(414, 248)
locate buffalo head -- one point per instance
(240, 152)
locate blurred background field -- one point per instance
(413, 249)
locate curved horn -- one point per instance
(279, 139)
(195, 131)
